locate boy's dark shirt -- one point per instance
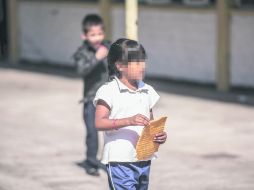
(94, 72)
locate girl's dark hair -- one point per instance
(123, 51)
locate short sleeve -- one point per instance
(153, 97)
(104, 93)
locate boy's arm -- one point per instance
(85, 62)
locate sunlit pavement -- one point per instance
(209, 147)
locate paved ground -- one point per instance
(41, 138)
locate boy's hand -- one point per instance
(101, 53)
(139, 120)
(160, 137)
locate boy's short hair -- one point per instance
(91, 20)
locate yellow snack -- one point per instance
(145, 146)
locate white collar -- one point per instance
(142, 87)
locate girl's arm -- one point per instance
(102, 121)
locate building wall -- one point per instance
(242, 49)
(51, 31)
(181, 44)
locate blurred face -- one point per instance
(95, 36)
(134, 70)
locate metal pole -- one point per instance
(131, 19)
(12, 22)
(105, 10)
(223, 43)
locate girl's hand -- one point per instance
(138, 120)
(160, 138)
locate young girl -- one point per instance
(123, 108)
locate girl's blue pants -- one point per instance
(128, 175)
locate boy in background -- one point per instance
(90, 61)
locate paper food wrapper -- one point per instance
(145, 146)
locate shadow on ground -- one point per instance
(239, 95)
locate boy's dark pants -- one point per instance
(91, 134)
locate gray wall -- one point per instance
(242, 49)
(180, 44)
(51, 31)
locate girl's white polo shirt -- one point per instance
(119, 145)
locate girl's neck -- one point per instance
(131, 84)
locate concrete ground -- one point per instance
(209, 143)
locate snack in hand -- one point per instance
(146, 146)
